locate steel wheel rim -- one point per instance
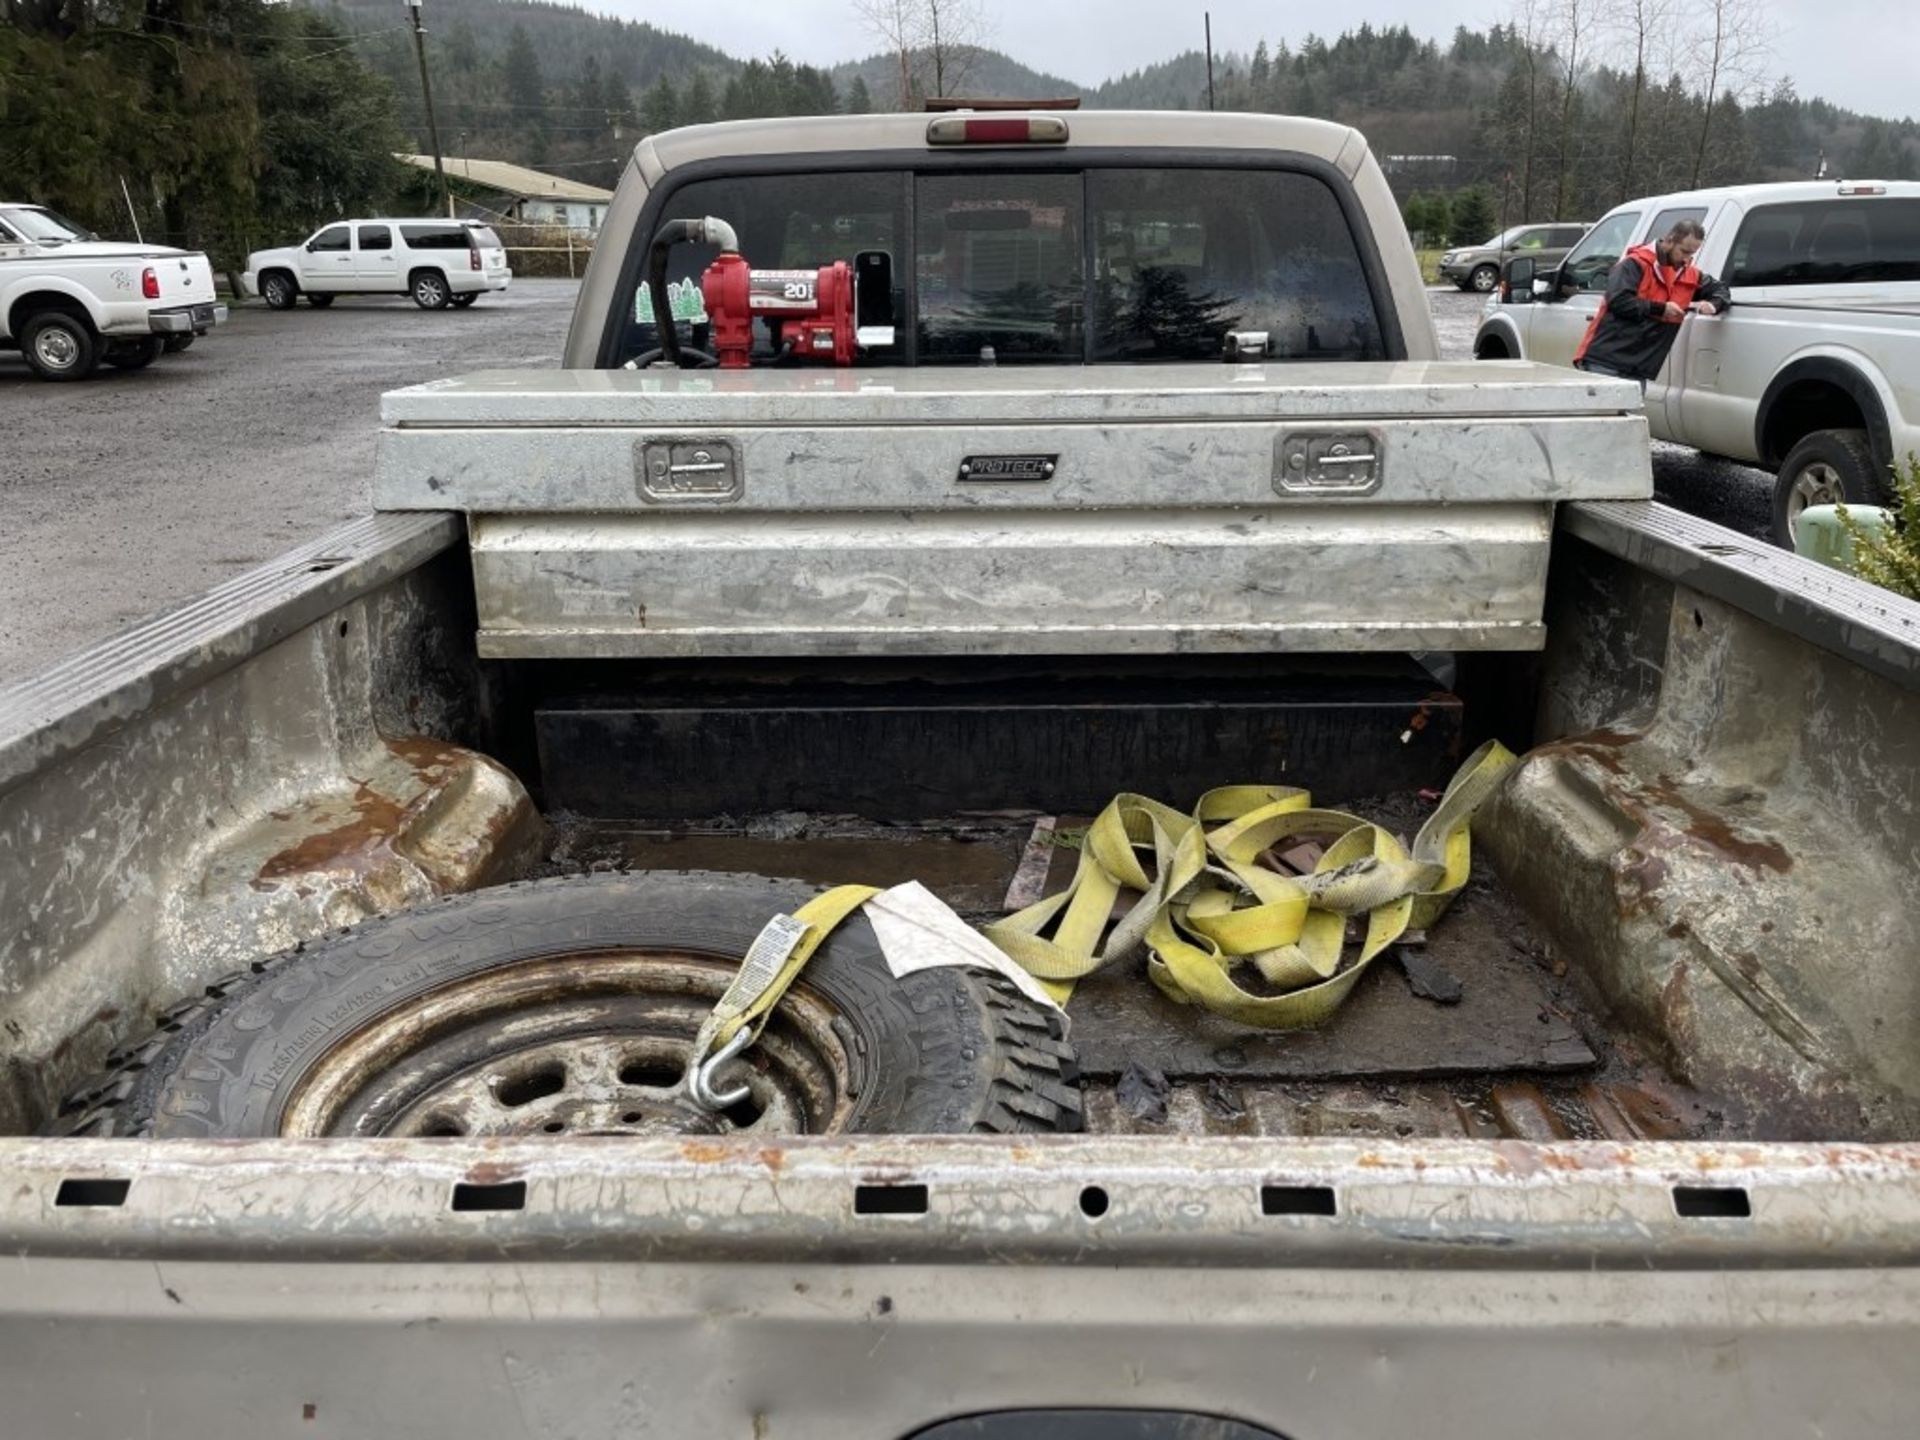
(429, 289)
(573, 1044)
(1817, 484)
(56, 348)
(276, 292)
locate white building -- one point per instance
(496, 190)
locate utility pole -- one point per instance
(1209, 60)
(426, 89)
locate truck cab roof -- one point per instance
(1143, 130)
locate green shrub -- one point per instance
(1892, 560)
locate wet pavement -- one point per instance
(132, 491)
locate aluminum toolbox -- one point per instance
(1011, 510)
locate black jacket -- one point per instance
(1629, 336)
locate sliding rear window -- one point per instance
(1828, 242)
(1102, 265)
(1184, 257)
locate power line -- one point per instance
(172, 24)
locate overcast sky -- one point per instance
(1860, 54)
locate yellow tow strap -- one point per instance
(1197, 929)
(776, 957)
(1291, 929)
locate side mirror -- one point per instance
(1516, 286)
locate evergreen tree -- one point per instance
(589, 91)
(327, 133)
(698, 106)
(859, 100)
(662, 109)
(1473, 220)
(526, 91)
(616, 101)
(1873, 157)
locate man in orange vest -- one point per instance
(1651, 290)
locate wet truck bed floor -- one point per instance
(1516, 1055)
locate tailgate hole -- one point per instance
(1711, 1202)
(94, 1193)
(510, 1195)
(889, 1199)
(1094, 1202)
(1297, 1200)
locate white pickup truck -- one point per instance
(770, 551)
(69, 300)
(1815, 371)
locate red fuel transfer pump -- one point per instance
(809, 311)
(823, 314)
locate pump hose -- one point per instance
(707, 231)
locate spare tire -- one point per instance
(569, 1006)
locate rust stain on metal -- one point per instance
(372, 839)
(105, 1015)
(1714, 830)
(493, 1172)
(361, 846)
(1641, 873)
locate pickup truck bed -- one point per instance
(1653, 1174)
(1517, 1052)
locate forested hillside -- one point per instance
(232, 120)
(1542, 123)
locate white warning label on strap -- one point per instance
(768, 954)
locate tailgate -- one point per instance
(988, 510)
(184, 280)
(865, 1288)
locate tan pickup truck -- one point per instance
(917, 484)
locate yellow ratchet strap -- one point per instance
(1204, 906)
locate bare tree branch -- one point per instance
(1571, 18)
(936, 43)
(1732, 44)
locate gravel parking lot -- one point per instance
(132, 492)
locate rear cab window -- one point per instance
(1828, 242)
(1093, 264)
(376, 237)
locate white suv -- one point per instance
(437, 262)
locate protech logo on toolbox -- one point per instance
(1008, 467)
